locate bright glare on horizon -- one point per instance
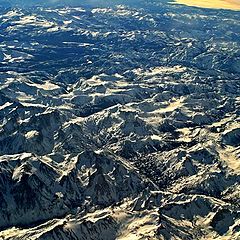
(224, 4)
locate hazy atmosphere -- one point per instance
(224, 4)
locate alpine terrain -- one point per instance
(119, 120)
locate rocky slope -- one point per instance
(119, 122)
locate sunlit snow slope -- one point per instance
(119, 122)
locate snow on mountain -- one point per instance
(119, 122)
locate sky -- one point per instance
(64, 2)
(225, 4)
